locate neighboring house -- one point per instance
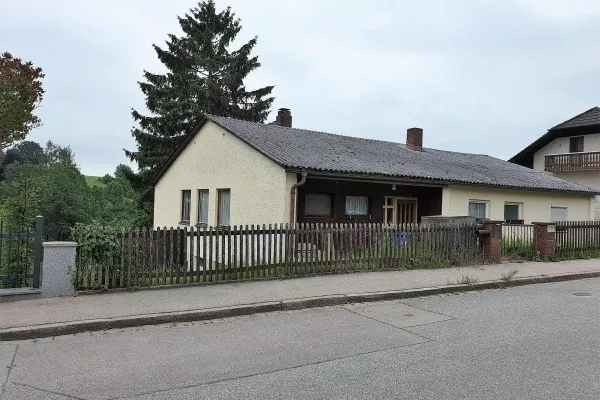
(570, 150)
(233, 172)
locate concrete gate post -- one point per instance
(544, 238)
(57, 267)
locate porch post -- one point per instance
(446, 201)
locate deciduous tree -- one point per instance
(21, 93)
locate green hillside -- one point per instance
(93, 180)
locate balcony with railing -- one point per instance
(572, 162)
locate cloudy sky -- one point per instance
(479, 76)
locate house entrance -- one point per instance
(399, 210)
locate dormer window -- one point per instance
(576, 144)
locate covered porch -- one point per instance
(338, 200)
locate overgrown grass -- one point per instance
(569, 254)
(518, 249)
(421, 253)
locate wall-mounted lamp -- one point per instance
(393, 187)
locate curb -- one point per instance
(70, 328)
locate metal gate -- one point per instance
(21, 256)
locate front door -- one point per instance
(399, 210)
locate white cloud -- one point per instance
(501, 71)
(562, 11)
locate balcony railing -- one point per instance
(572, 162)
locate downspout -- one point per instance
(293, 197)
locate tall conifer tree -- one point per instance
(204, 75)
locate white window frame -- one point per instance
(199, 207)
(579, 137)
(514, 203)
(393, 209)
(366, 215)
(219, 211)
(477, 201)
(183, 221)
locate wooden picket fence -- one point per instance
(576, 239)
(146, 257)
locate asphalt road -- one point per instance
(533, 342)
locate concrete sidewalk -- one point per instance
(56, 312)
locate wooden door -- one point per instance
(406, 211)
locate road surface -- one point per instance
(533, 342)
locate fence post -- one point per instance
(59, 265)
(492, 243)
(544, 238)
(37, 255)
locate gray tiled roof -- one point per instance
(317, 151)
(588, 118)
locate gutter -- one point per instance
(293, 197)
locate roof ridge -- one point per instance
(575, 117)
(343, 136)
(304, 130)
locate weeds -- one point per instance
(507, 277)
(465, 280)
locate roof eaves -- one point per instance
(186, 140)
(534, 144)
(417, 179)
(189, 136)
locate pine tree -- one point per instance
(203, 76)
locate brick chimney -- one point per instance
(414, 139)
(284, 117)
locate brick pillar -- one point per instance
(492, 243)
(544, 238)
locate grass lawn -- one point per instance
(93, 180)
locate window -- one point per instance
(576, 144)
(512, 212)
(186, 203)
(478, 208)
(317, 205)
(203, 207)
(559, 213)
(357, 207)
(223, 203)
(388, 210)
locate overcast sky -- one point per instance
(478, 76)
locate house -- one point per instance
(232, 172)
(570, 150)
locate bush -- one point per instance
(99, 247)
